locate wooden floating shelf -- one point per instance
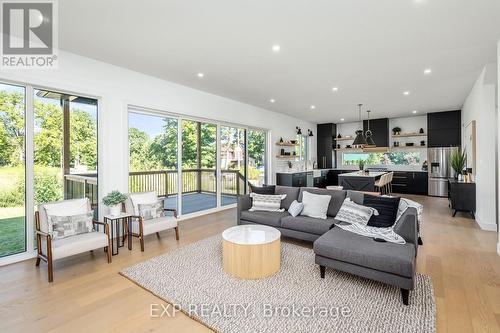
(286, 156)
(408, 147)
(284, 144)
(343, 139)
(408, 135)
(349, 149)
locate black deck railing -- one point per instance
(164, 182)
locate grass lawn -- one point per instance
(12, 238)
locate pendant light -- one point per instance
(368, 133)
(360, 140)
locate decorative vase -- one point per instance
(115, 210)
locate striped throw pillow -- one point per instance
(353, 213)
(267, 202)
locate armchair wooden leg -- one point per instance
(176, 233)
(158, 234)
(37, 262)
(50, 270)
(108, 249)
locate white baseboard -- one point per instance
(486, 226)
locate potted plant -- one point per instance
(396, 130)
(361, 164)
(114, 201)
(458, 159)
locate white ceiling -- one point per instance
(371, 50)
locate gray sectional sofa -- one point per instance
(342, 250)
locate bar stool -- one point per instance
(380, 184)
(390, 175)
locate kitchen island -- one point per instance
(359, 180)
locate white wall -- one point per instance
(480, 106)
(118, 87)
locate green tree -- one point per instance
(12, 133)
(139, 150)
(163, 149)
(6, 147)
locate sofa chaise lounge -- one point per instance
(339, 249)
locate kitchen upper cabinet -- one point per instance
(325, 135)
(444, 129)
(380, 130)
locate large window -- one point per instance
(12, 170)
(391, 158)
(65, 147)
(48, 152)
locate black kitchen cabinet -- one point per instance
(411, 182)
(380, 130)
(332, 178)
(325, 143)
(298, 179)
(322, 181)
(444, 129)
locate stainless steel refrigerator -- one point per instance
(440, 170)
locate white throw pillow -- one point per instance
(267, 202)
(315, 205)
(295, 208)
(354, 213)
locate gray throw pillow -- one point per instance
(295, 208)
(151, 211)
(66, 226)
(353, 213)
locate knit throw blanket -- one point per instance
(388, 234)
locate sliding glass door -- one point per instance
(232, 163)
(199, 159)
(257, 157)
(12, 170)
(153, 144)
(197, 165)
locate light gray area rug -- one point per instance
(295, 299)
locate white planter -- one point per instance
(115, 210)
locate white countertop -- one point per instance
(362, 174)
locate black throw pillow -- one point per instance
(387, 210)
(262, 190)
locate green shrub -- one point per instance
(48, 188)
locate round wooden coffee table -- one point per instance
(251, 251)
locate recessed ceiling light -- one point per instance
(276, 48)
(272, 100)
(427, 71)
(313, 107)
(342, 119)
(414, 111)
(335, 89)
(201, 75)
(406, 93)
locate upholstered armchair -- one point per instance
(50, 248)
(147, 224)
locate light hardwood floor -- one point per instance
(89, 295)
